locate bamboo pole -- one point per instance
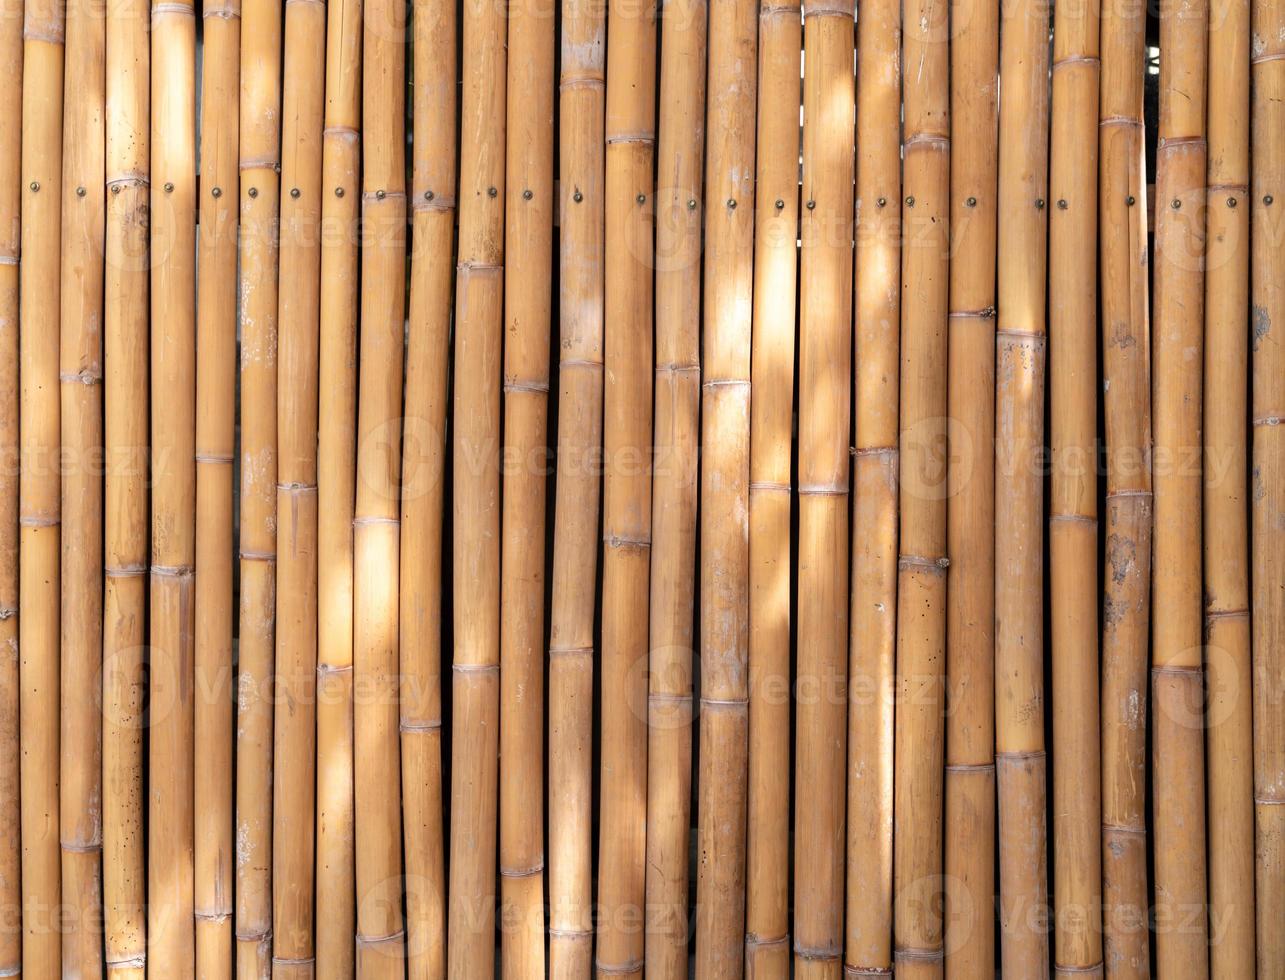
(1229, 719)
(1019, 433)
(39, 507)
(298, 314)
(172, 210)
(675, 486)
(969, 859)
(216, 332)
(576, 507)
(1178, 802)
(81, 378)
(1126, 578)
(336, 489)
(260, 164)
(424, 466)
(825, 386)
(767, 908)
(479, 332)
(630, 129)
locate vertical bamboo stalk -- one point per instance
(776, 208)
(1177, 655)
(336, 489)
(969, 859)
(576, 508)
(825, 387)
(216, 332)
(1229, 708)
(680, 152)
(1019, 434)
(260, 164)
(171, 937)
(39, 507)
(424, 465)
(378, 830)
(627, 434)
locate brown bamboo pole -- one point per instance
(675, 484)
(630, 128)
(776, 208)
(1268, 475)
(424, 463)
(969, 859)
(825, 388)
(1229, 719)
(172, 210)
(1178, 804)
(1019, 434)
(336, 489)
(576, 507)
(39, 507)
(377, 784)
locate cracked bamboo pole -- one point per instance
(1019, 434)
(825, 387)
(576, 507)
(1177, 676)
(675, 487)
(259, 163)
(39, 484)
(767, 908)
(424, 464)
(170, 933)
(630, 128)
(336, 488)
(381, 941)
(1229, 721)
(969, 859)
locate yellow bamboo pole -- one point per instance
(767, 907)
(576, 508)
(680, 152)
(1019, 434)
(825, 390)
(39, 506)
(336, 489)
(170, 933)
(630, 129)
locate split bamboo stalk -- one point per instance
(428, 354)
(1178, 685)
(298, 313)
(380, 937)
(528, 279)
(172, 210)
(260, 165)
(825, 386)
(725, 479)
(479, 337)
(81, 378)
(576, 508)
(1229, 708)
(216, 336)
(921, 562)
(336, 489)
(969, 859)
(1268, 476)
(767, 907)
(39, 508)
(1073, 489)
(1126, 579)
(675, 486)
(630, 129)
(1019, 434)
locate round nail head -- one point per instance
(527, 195)
(295, 192)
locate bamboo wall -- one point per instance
(726, 490)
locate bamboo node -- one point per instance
(920, 955)
(257, 556)
(531, 872)
(938, 141)
(75, 847)
(967, 767)
(303, 488)
(767, 486)
(1115, 828)
(1213, 615)
(619, 541)
(571, 80)
(438, 202)
(773, 10)
(222, 11)
(570, 651)
(817, 954)
(988, 313)
(889, 451)
(675, 367)
(1018, 757)
(129, 180)
(342, 132)
(621, 970)
(172, 571)
(938, 564)
(34, 521)
(1262, 59)
(580, 362)
(1077, 59)
(393, 937)
(214, 457)
(475, 668)
(327, 669)
(254, 937)
(295, 960)
(1095, 968)
(125, 963)
(827, 10)
(1178, 670)
(160, 9)
(8, 612)
(1131, 121)
(201, 915)
(408, 727)
(534, 387)
(88, 376)
(757, 942)
(575, 935)
(363, 521)
(823, 490)
(1267, 801)
(734, 705)
(8, 258)
(55, 36)
(725, 383)
(383, 194)
(1074, 518)
(124, 571)
(647, 139)
(867, 971)
(1269, 420)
